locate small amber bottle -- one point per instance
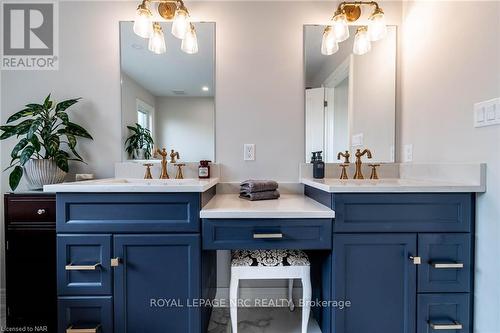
(204, 169)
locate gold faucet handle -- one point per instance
(345, 155)
(148, 174)
(343, 173)
(374, 174)
(179, 174)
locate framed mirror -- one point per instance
(350, 100)
(172, 94)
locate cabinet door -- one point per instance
(156, 282)
(374, 273)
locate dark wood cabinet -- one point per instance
(30, 259)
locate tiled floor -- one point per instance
(261, 320)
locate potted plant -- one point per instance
(46, 139)
(139, 144)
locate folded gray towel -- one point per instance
(266, 195)
(253, 186)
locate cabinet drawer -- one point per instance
(403, 212)
(83, 264)
(30, 209)
(267, 234)
(128, 213)
(443, 313)
(91, 313)
(446, 262)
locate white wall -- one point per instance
(186, 124)
(131, 91)
(451, 60)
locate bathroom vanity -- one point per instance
(401, 251)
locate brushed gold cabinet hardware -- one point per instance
(41, 211)
(72, 329)
(268, 236)
(416, 260)
(453, 326)
(115, 262)
(72, 267)
(447, 265)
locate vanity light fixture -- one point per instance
(338, 30)
(182, 27)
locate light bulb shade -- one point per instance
(377, 29)
(157, 40)
(362, 42)
(181, 25)
(190, 42)
(143, 26)
(340, 27)
(329, 44)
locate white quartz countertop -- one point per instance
(230, 206)
(394, 185)
(134, 185)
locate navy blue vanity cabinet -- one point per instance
(403, 260)
(131, 262)
(373, 272)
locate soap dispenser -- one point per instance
(318, 165)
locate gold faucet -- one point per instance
(148, 175)
(164, 171)
(173, 155)
(359, 174)
(345, 155)
(179, 174)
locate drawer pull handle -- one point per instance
(454, 326)
(115, 262)
(447, 265)
(416, 260)
(268, 236)
(72, 329)
(72, 267)
(41, 211)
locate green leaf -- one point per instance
(52, 144)
(63, 116)
(15, 177)
(37, 108)
(23, 127)
(61, 158)
(20, 114)
(71, 140)
(36, 143)
(20, 145)
(66, 104)
(34, 127)
(8, 131)
(47, 104)
(77, 130)
(26, 154)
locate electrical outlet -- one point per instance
(357, 140)
(249, 152)
(408, 153)
(487, 113)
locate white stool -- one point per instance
(270, 264)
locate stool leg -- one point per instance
(306, 306)
(233, 303)
(290, 294)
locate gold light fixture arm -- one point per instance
(352, 9)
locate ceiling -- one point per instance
(173, 71)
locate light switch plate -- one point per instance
(249, 152)
(408, 153)
(487, 113)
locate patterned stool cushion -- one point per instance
(269, 258)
